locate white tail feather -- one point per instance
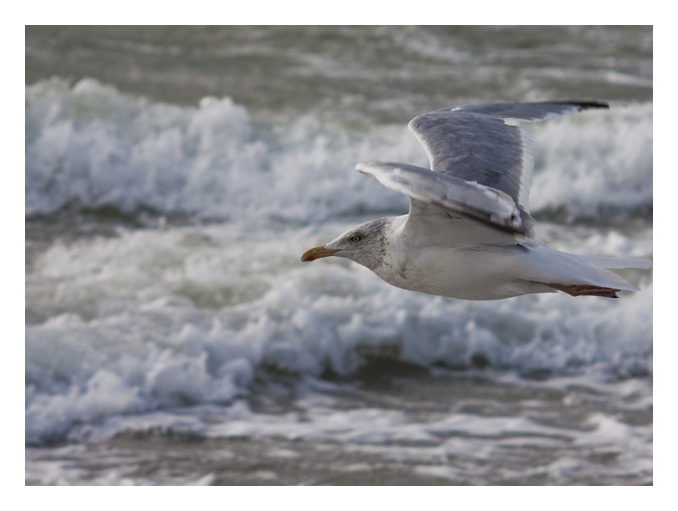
(614, 263)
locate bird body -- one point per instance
(469, 234)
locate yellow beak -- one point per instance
(316, 253)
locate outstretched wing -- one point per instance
(483, 204)
(482, 169)
(476, 143)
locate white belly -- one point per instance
(463, 273)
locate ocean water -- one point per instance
(174, 176)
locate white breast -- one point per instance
(469, 274)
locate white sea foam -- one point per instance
(90, 144)
(94, 146)
(164, 318)
(604, 159)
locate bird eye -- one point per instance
(356, 239)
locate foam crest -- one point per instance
(89, 146)
(157, 319)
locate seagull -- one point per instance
(469, 234)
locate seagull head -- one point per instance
(365, 244)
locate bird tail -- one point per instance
(614, 263)
(613, 282)
(580, 275)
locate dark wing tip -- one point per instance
(585, 105)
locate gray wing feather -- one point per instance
(535, 111)
(482, 166)
(474, 142)
(472, 200)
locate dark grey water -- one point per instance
(413, 429)
(384, 72)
